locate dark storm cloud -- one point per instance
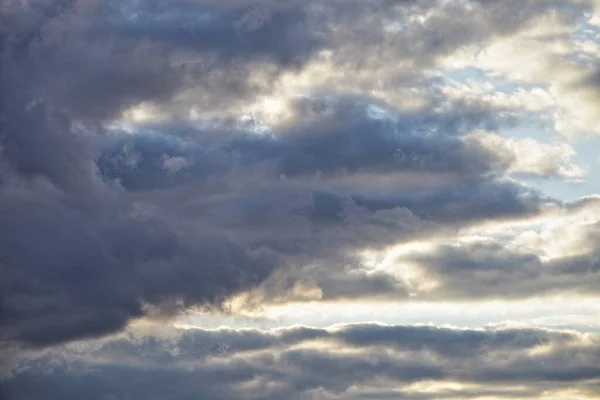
(36, 142)
(71, 273)
(348, 360)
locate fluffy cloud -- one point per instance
(530, 157)
(554, 52)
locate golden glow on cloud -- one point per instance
(529, 156)
(553, 311)
(529, 56)
(144, 113)
(402, 190)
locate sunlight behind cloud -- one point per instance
(300, 199)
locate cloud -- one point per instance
(259, 162)
(110, 212)
(329, 136)
(308, 363)
(553, 253)
(101, 58)
(101, 231)
(328, 184)
(74, 271)
(553, 52)
(518, 268)
(78, 259)
(174, 164)
(530, 157)
(209, 59)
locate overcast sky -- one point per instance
(299, 199)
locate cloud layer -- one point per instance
(232, 157)
(352, 361)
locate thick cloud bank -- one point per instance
(237, 157)
(351, 362)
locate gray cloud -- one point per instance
(349, 359)
(95, 228)
(76, 260)
(337, 138)
(471, 271)
(95, 59)
(84, 255)
(488, 269)
(99, 57)
(72, 272)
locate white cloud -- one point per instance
(543, 54)
(175, 164)
(529, 156)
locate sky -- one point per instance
(300, 199)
